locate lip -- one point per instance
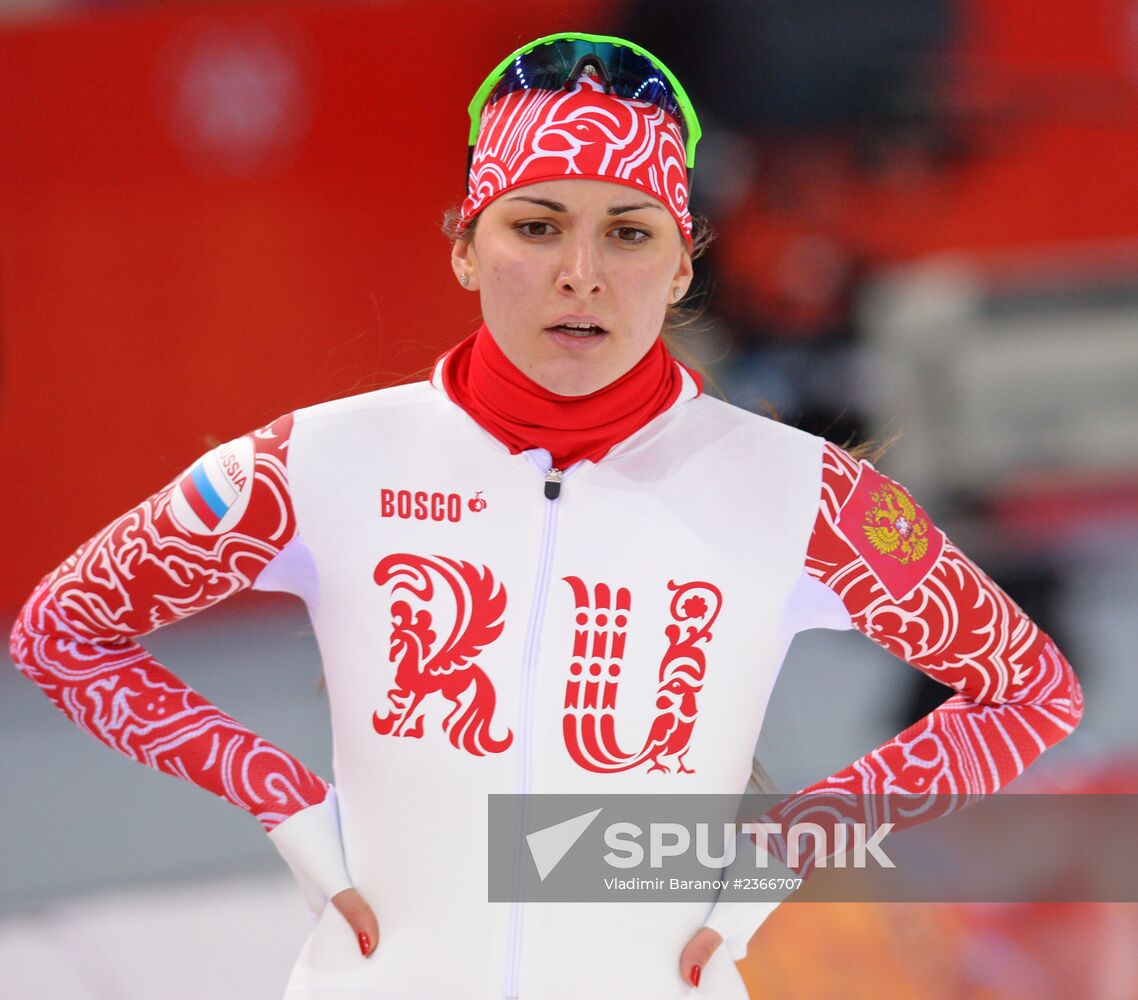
(570, 343)
(592, 320)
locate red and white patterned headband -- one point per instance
(531, 136)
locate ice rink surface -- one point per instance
(232, 939)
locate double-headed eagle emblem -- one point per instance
(894, 526)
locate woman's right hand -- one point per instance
(360, 917)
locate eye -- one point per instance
(631, 234)
(535, 229)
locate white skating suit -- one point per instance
(478, 637)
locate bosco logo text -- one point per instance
(419, 505)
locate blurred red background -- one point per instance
(212, 215)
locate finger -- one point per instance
(697, 953)
(360, 917)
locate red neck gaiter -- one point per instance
(522, 414)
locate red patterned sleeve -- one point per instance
(206, 536)
(909, 589)
(913, 592)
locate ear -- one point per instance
(682, 279)
(464, 263)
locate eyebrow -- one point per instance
(556, 206)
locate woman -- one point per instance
(555, 567)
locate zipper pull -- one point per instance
(553, 484)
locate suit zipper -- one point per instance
(552, 493)
(553, 484)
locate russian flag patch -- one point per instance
(213, 493)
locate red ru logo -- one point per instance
(588, 721)
(428, 664)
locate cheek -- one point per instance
(654, 276)
(509, 280)
(647, 290)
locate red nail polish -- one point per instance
(695, 970)
(365, 943)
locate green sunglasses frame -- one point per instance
(482, 95)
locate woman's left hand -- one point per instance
(697, 953)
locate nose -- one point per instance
(582, 269)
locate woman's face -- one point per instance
(550, 259)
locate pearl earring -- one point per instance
(677, 292)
